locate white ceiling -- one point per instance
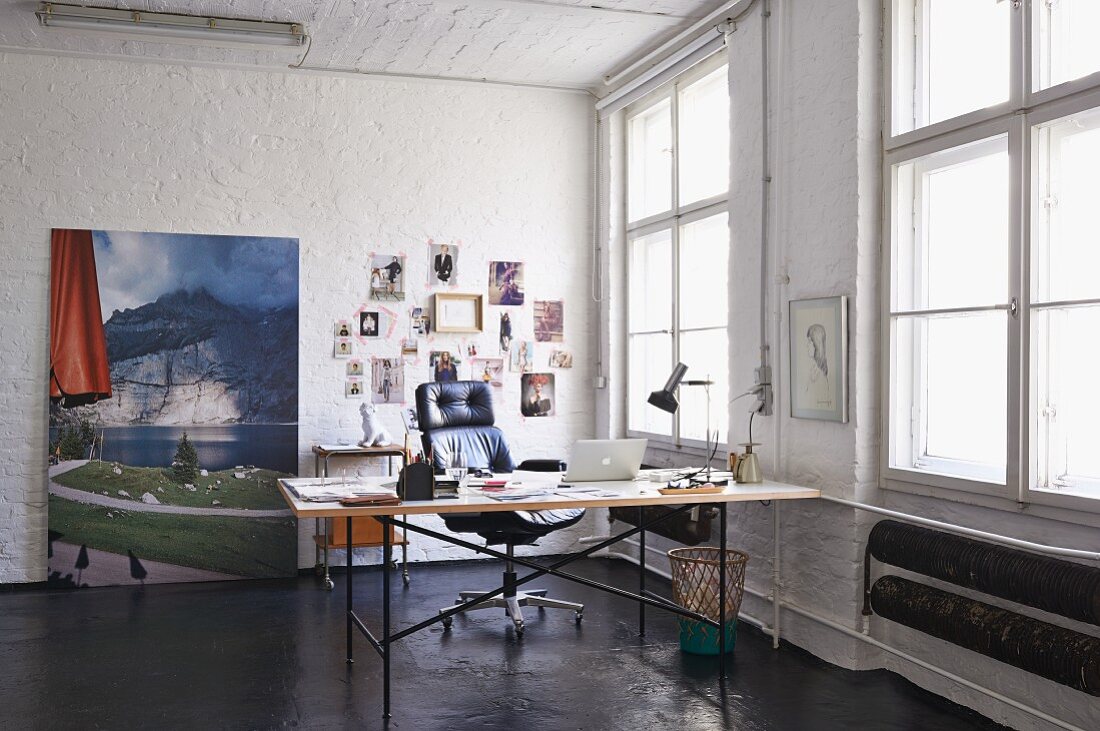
(546, 42)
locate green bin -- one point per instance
(695, 586)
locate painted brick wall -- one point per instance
(349, 166)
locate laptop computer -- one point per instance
(605, 460)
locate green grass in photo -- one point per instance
(255, 491)
(248, 547)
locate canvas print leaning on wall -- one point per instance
(173, 407)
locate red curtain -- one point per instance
(79, 372)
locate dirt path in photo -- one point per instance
(109, 569)
(91, 498)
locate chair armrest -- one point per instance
(542, 465)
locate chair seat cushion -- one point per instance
(520, 527)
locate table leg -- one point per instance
(328, 532)
(386, 558)
(722, 595)
(348, 586)
(316, 521)
(641, 572)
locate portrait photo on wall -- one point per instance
(523, 355)
(368, 324)
(444, 365)
(342, 329)
(538, 394)
(343, 348)
(505, 333)
(354, 367)
(488, 370)
(387, 277)
(387, 380)
(442, 264)
(561, 359)
(353, 387)
(819, 358)
(506, 283)
(549, 321)
(161, 387)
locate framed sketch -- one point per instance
(458, 313)
(819, 358)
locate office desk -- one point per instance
(629, 494)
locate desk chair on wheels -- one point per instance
(458, 415)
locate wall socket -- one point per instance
(599, 382)
(762, 377)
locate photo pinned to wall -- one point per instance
(444, 366)
(354, 367)
(538, 394)
(549, 321)
(819, 358)
(471, 350)
(342, 329)
(488, 370)
(387, 380)
(368, 324)
(523, 353)
(353, 387)
(410, 347)
(442, 264)
(410, 420)
(561, 359)
(506, 283)
(343, 348)
(420, 323)
(505, 333)
(387, 277)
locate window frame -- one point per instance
(672, 220)
(1019, 118)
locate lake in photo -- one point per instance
(272, 446)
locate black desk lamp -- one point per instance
(665, 399)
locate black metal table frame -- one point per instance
(382, 645)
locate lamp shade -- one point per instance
(665, 399)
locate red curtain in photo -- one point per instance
(79, 372)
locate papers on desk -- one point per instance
(339, 447)
(586, 492)
(330, 492)
(516, 491)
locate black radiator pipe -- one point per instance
(1055, 653)
(1061, 587)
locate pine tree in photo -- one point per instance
(71, 446)
(185, 466)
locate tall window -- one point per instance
(994, 264)
(678, 251)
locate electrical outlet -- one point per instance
(762, 375)
(764, 405)
(599, 382)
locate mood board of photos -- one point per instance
(396, 328)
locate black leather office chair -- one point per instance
(459, 415)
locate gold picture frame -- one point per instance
(459, 313)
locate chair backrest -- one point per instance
(459, 415)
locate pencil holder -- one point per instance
(416, 482)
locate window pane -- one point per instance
(651, 282)
(954, 54)
(704, 138)
(650, 162)
(955, 251)
(704, 259)
(1066, 262)
(949, 384)
(1066, 45)
(650, 364)
(706, 355)
(1067, 400)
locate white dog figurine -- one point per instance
(374, 433)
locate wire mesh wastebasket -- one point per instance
(695, 586)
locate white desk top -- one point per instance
(630, 493)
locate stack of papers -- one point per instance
(586, 491)
(330, 492)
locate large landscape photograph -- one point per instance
(173, 407)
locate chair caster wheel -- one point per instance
(330, 584)
(519, 629)
(405, 579)
(578, 617)
(447, 622)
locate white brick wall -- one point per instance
(349, 166)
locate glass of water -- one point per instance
(456, 467)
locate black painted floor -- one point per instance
(258, 655)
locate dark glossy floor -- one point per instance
(254, 655)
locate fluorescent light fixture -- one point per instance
(171, 27)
